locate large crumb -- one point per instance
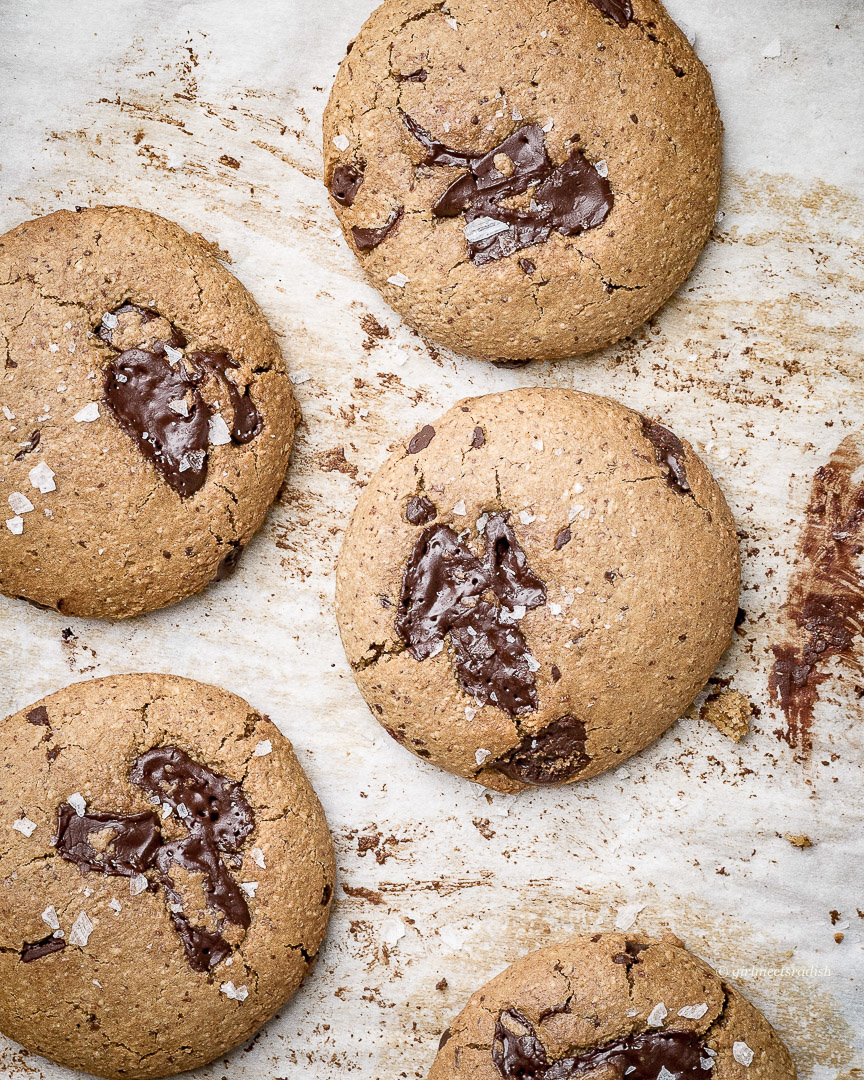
(729, 712)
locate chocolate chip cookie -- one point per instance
(166, 874)
(523, 180)
(614, 1006)
(147, 416)
(535, 586)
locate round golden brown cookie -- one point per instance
(147, 416)
(166, 874)
(523, 180)
(535, 586)
(611, 1005)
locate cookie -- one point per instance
(535, 586)
(166, 874)
(614, 1006)
(523, 180)
(147, 416)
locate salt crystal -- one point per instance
(772, 50)
(53, 348)
(7, 412)
(341, 142)
(657, 1015)
(19, 503)
(470, 713)
(236, 993)
(15, 525)
(531, 662)
(742, 1053)
(602, 168)
(179, 406)
(257, 856)
(537, 444)
(173, 354)
(458, 509)
(249, 887)
(482, 228)
(526, 518)
(109, 320)
(547, 127)
(115, 905)
(481, 523)
(182, 810)
(299, 377)
(42, 477)
(452, 23)
(219, 433)
(167, 810)
(49, 917)
(627, 916)
(137, 884)
(392, 930)
(77, 803)
(664, 1074)
(81, 930)
(24, 825)
(693, 1012)
(481, 755)
(263, 748)
(88, 414)
(399, 280)
(516, 114)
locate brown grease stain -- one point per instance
(825, 607)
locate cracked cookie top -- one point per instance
(147, 416)
(163, 850)
(536, 586)
(610, 1006)
(528, 180)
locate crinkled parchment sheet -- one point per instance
(209, 114)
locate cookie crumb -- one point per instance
(730, 712)
(799, 840)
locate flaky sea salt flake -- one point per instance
(341, 142)
(42, 477)
(399, 280)
(627, 915)
(693, 1012)
(526, 517)
(236, 993)
(81, 930)
(257, 856)
(15, 525)
(263, 748)
(115, 905)
(19, 503)
(249, 887)
(179, 406)
(49, 917)
(137, 884)
(657, 1015)
(110, 320)
(76, 801)
(483, 228)
(219, 433)
(481, 755)
(392, 931)
(742, 1054)
(88, 414)
(7, 412)
(24, 825)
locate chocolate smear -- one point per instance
(128, 847)
(669, 451)
(422, 439)
(568, 198)
(825, 605)
(553, 755)
(229, 563)
(29, 446)
(199, 855)
(247, 421)
(367, 239)
(518, 1054)
(442, 590)
(420, 510)
(39, 716)
(345, 183)
(35, 950)
(621, 11)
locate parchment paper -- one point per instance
(209, 113)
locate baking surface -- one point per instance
(209, 113)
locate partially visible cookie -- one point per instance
(535, 586)
(523, 180)
(610, 1006)
(147, 416)
(166, 874)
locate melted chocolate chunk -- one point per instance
(441, 594)
(556, 673)
(229, 564)
(29, 446)
(129, 848)
(568, 198)
(247, 422)
(478, 439)
(551, 756)
(669, 451)
(527, 266)
(213, 806)
(422, 439)
(199, 855)
(520, 1055)
(621, 11)
(563, 537)
(39, 716)
(367, 239)
(35, 950)
(345, 184)
(420, 510)
(139, 387)
(204, 948)
(420, 75)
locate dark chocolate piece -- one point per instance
(199, 855)
(204, 948)
(345, 183)
(29, 446)
(420, 510)
(478, 439)
(527, 266)
(229, 563)
(621, 11)
(563, 537)
(669, 451)
(569, 198)
(520, 1055)
(367, 239)
(551, 756)
(441, 594)
(420, 75)
(39, 716)
(247, 421)
(130, 847)
(213, 806)
(35, 950)
(422, 439)
(139, 385)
